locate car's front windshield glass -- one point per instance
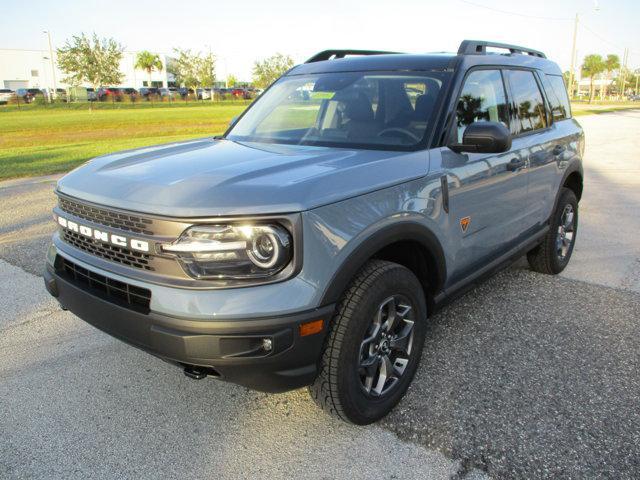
(348, 109)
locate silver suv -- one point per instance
(309, 244)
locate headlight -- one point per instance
(234, 252)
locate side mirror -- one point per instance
(484, 137)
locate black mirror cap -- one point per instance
(484, 137)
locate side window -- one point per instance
(482, 99)
(527, 99)
(557, 95)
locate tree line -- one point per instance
(96, 61)
(595, 65)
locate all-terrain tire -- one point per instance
(546, 257)
(338, 388)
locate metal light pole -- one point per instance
(53, 68)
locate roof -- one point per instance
(394, 61)
(470, 53)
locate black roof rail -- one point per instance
(479, 47)
(334, 54)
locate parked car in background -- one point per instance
(185, 92)
(149, 93)
(204, 93)
(170, 93)
(28, 95)
(252, 92)
(112, 94)
(60, 96)
(91, 94)
(222, 93)
(238, 92)
(130, 93)
(6, 95)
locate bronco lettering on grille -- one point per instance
(106, 237)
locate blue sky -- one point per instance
(240, 32)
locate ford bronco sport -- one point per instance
(308, 244)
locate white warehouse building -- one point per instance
(33, 69)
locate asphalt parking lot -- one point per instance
(527, 376)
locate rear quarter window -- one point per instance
(557, 96)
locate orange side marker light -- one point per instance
(311, 328)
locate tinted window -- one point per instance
(482, 100)
(528, 101)
(557, 96)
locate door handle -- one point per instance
(559, 149)
(515, 164)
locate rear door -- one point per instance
(534, 140)
(487, 192)
(564, 145)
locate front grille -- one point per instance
(113, 253)
(120, 293)
(122, 221)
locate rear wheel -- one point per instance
(554, 253)
(374, 345)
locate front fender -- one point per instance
(375, 238)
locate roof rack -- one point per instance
(479, 47)
(335, 54)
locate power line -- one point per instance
(605, 40)
(601, 37)
(515, 13)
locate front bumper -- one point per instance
(231, 350)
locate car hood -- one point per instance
(209, 177)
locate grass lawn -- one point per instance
(585, 108)
(41, 141)
(36, 140)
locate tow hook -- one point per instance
(197, 373)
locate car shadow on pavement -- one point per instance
(531, 376)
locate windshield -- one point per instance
(353, 109)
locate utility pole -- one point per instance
(573, 56)
(214, 79)
(53, 68)
(623, 71)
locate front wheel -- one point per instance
(374, 344)
(553, 254)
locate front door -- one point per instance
(487, 192)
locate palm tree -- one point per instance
(610, 64)
(592, 66)
(148, 61)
